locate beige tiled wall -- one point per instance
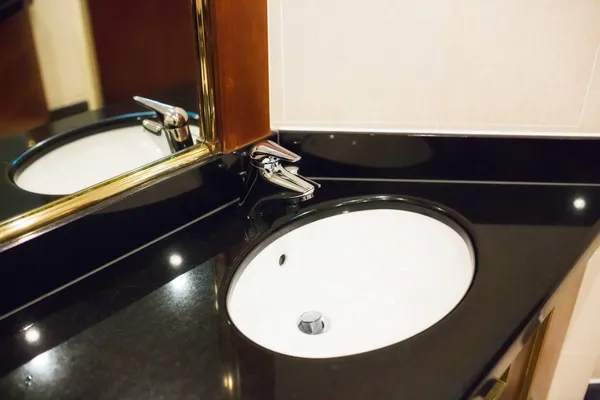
(65, 52)
(435, 65)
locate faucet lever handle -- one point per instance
(174, 121)
(170, 116)
(267, 148)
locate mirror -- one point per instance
(69, 70)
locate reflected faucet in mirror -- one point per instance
(173, 121)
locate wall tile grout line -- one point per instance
(589, 86)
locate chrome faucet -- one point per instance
(266, 157)
(172, 120)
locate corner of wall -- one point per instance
(65, 52)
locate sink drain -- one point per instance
(312, 323)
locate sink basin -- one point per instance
(91, 159)
(352, 281)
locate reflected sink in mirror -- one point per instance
(73, 165)
(352, 281)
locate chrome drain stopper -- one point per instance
(312, 323)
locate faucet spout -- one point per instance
(282, 176)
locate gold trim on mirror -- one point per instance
(206, 59)
(52, 215)
(64, 210)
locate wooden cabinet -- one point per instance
(515, 382)
(520, 374)
(240, 37)
(526, 372)
(559, 310)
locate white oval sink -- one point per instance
(92, 159)
(377, 277)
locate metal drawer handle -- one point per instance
(495, 392)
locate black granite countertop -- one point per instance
(154, 326)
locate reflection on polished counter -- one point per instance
(62, 256)
(447, 158)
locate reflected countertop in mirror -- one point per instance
(14, 200)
